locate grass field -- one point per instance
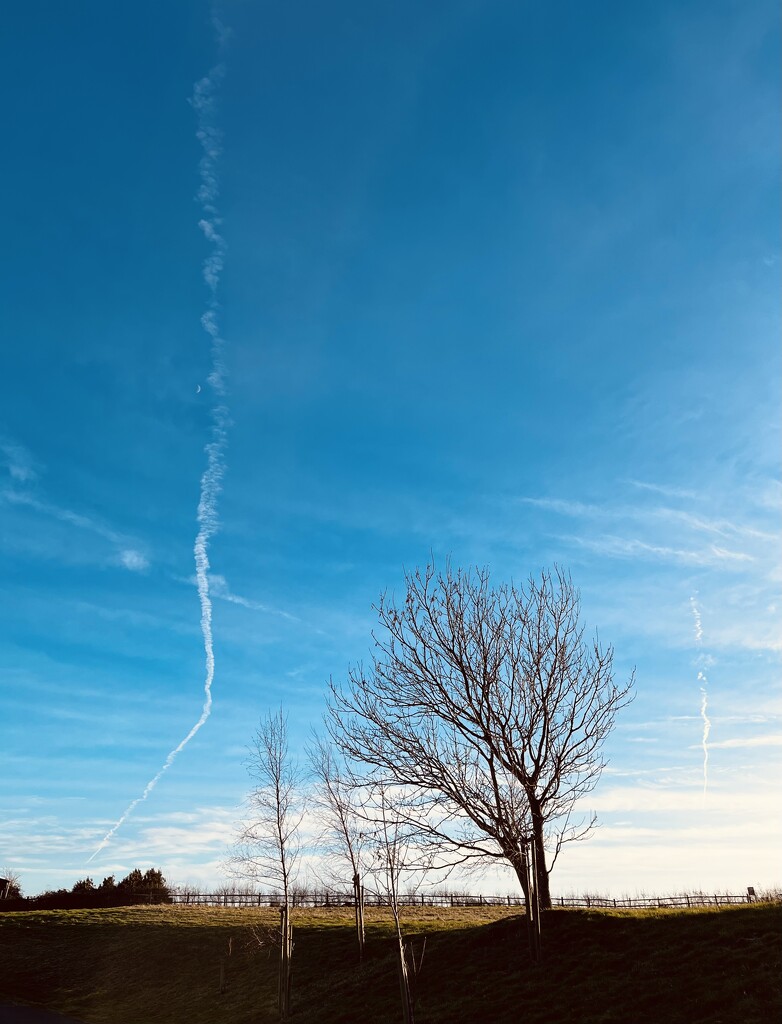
(162, 964)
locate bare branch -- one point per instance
(268, 844)
(488, 706)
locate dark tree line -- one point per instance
(136, 887)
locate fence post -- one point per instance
(249, 899)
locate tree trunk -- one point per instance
(286, 952)
(404, 982)
(523, 859)
(521, 872)
(544, 893)
(358, 902)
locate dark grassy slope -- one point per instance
(143, 965)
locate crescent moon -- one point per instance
(198, 389)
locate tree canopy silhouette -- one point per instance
(491, 706)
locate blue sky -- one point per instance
(501, 283)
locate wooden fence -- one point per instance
(336, 899)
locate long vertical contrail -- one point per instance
(704, 696)
(204, 102)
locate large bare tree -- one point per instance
(491, 706)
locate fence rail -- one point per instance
(337, 899)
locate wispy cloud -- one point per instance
(78, 519)
(126, 555)
(664, 489)
(134, 560)
(668, 798)
(767, 495)
(192, 845)
(19, 463)
(568, 508)
(624, 546)
(221, 589)
(720, 527)
(633, 547)
(726, 539)
(770, 740)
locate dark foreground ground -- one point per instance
(10, 1014)
(144, 965)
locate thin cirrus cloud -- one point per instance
(725, 543)
(670, 798)
(651, 516)
(737, 743)
(720, 527)
(18, 461)
(203, 832)
(633, 547)
(661, 533)
(221, 589)
(664, 489)
(126, 555)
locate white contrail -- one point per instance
(204, 103)
(704, 696)
(697, 616)
(706, 729)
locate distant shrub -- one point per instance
(150, 887)
(136, 887)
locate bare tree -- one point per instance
(491, 707)
(397, 855)
(10, 883)
(344, 835)
(268, 847)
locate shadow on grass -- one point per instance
(723, 966)
(598, 966)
